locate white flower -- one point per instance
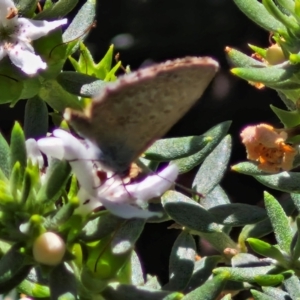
(16, 35)
(126, 201)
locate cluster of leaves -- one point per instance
(99, 261)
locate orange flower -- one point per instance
(267, 146)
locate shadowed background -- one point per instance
(146, 31)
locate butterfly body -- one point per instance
(131, 113)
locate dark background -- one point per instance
(146, 31)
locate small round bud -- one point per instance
(274, 55)
(49, 249)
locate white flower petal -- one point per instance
(154, 185)
(87, 203)
(33, 29)
(27, 61)
(127, 211)
(52, 146)
(34, 153)
(5, 6)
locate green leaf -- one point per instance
(255, 11)
(202, 271)
(239, 59)
(249, 274)
(284, 181)
(13, 269)
(137, 276)
(266, 250)
(288, 21)
(260, 296)
(210, 289)
(57, 175)
(175, 148)
(11, 89)
(79, 28)
(4, 156)
(288, 118)
(18, 148)
(103, 68)
(264, 227)
(80, 84)
(62, 283)
(100, 227)
(275, 293)
(36, 118)
(181, 263)
(117, 291)
(237, 214)
(267, 75)
(188, 213)
(216, 134)
(57, 11)
(33, 289)
(269, 280)
(260, 51)
(292, 286)
(280, 222)
(248, 168)
(126, 236)
(25, 8)
(214, 198)
(213, 167)
(296, 249)
(59, 99)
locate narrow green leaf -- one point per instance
(36, 118)
(126, 236)
(255, 11)
(181, 263)
(284, 181)
(188, 213)
(237, 214)
(104, 66)
(266, 250)
(260, 51)
(175, 148)
(269, 280)
(260, 296)
(137, 276)
(213, 167)
(4, 156)
(210, 290)
(288, 21)
(239, 59)
(62, 283)
(116, 291)
(18, 148)
(267, 75)
(296, 249)
(292, 286)
(57, 175)
(78, 28)
(276, 293)
(248, 168)
(202, 271)
(25, 8)
(57, 11)
(100, 227)
(33, 289)
(249, 274)
(288, 118)
(80, 84)
(215, 197)
(216, 134)
(59, 99)
(280, 222)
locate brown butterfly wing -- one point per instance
(139, 108)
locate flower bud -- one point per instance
(49, 249)
(274, 55)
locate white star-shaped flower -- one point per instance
(126, 201)
(16, 35)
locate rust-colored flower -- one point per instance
(267, 146)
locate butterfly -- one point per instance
(128, 115)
